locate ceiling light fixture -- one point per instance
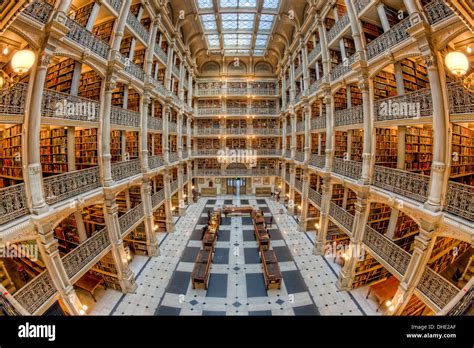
(22, 61)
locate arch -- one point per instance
(263, 67)
(395, 204)
(242, 67)
(83, 60)
(391, 59)
(211, 67)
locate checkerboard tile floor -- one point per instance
(236, 284)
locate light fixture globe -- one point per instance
(457, 63)
(22, 61)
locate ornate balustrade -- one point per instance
(437, 11)
(134, 70)
(174, 186)
(345, 218)
(65, 106)
(411, 185)
(39, 10)
(299, 156)
(300, 126)
(349, 116)
(315, 196)
(338, 27)
(317, 160)
(125, 169)
(268, 152)
(209, 92)
(6, 304)
(36, 292)
(264, 131)
(161, 54)
(207, 172)
(460, 200)
(13, 99)
(351, 169)
(161, 88)
(236, 91)
(173, 127)
(13, 203)
(397, 34)
(157, 198)
(463, 304)
(298, 97)
(387, 250)
(263, 91)
(208, 131)
(124, 117)
(318, 123)
(175, 70)
(360, 5)
(204, 152)
(288, 129)
(63, 186)
(115, 4)
(460, 100)
(185, 153)
(439, 290)
(410, 105)
(343, 68)
(312, 55)
(287, 153)
(130, 218)
(261, 111)
(287, 176)
(314, 86)
(155, 123)
(85, 38)
(298, 70)
(237, 111)
(77, 259)
(299, 185)
(155, 161)
(209, 111)
(173, 157)
(137, 27)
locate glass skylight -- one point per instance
(209, 22)
(238, 27)
(271, 4)
(202, 4)
(238, 3)
(239, 21)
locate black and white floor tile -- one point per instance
(236, 284)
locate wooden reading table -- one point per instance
(245, 209)
(271, 269)
(200, 274)
(211, 234)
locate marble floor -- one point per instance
(236, 284)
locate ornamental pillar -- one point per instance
(151, 240)
(321, 233)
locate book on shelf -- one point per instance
(368, 272)
(11, 171)
(386, 151)
(89, 85)
(59, 76)
(107, 270)
(82, 14)
(104, 30)
(86, 148)
(379, 217)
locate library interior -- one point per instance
(236, 157)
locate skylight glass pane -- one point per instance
(261, 40)
(210, 25)
(204, 3)
(247, 3)
(237, 52)
(266, 22)
(272, 4)
(213, 40)
(208, 17)
(228, 3)
(258, 52)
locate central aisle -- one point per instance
(236, 284)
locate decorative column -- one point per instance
(439, 174)
(190, 89)
(119, 29)
(48, 248)
(283, 90)
(145, 101)
(34, 180)
(190, 181)
(293, 132)
(424, 243)
(324, 45)
(291, 202)
(169, 65)
(168, 207)
(356, 248)
(307, 131)
(303, 225)
(283, 135)
(181, 200)
(321, 233)
(107, 87)
(188, 135)
(368, 153)
(165, 134)
(292, 81)
(329, 102)
(180, 134)
(283, 183)
(151, 240)
(304, 54)
(125, 275)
